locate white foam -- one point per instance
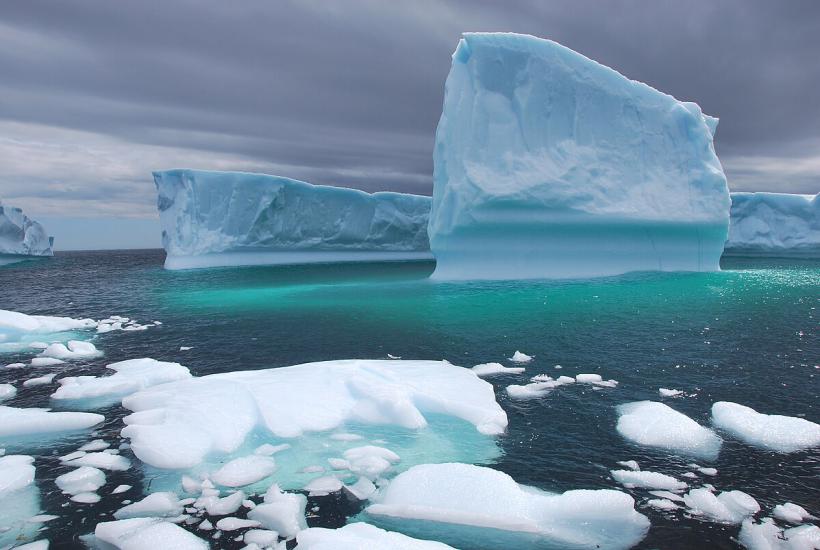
(359, 536)
(492, 369)
(447, 495)
(730, 507)
(657, 425)
(15, 422)
(784, 434)
(147, 534)
(647, 480)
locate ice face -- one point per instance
(548, 164)
(784, 434)
(236, 218)
(477, 507)
(774, 224)
(21, 236)
(657, 425)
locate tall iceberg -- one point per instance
(550, 165)
(236, 218)
(21, 237)
(774, 224)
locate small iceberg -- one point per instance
(783, 434)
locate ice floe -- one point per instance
(19, 499)
(730, 507)
(234, 524)
(457, 503)
(768, 536)
(520, 357)
(663, 504)
(244, 471)
(655, 424)
(647, 480)
(155, 505)
(357, 536)
(7, 391)
(666, 392)
(492, 369)
(146, 534)
(176, 425)
(281, 512)
(15, 422)
(40, 380)
(104, 460)
(791, 513)
(129, 377)
(74, 350)
(85, 479)
(323, 486)
(783, 434)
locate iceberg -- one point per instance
(773, 432)
(775, 225)
(234, 218)
(550, 165)
(21, 237)
(476, 507)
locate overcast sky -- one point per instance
(95, 94)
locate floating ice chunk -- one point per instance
(338, 463)
(791, 513)
(129, 377)
(185, 348)
(206, 525)
(147, 534)
(667, 495)
(235, 218)
(16, 422)
(232, 524)
(437, 497)
(491, 369)
(46, 362)
(260, 537)
(362, 489)
(730, 507)
(267, 449)
(176, 425)
(519, 357)
(16, 472)
(657, 425)
(768, 536)
(15, 366)
(42, 518)
(86, 498)
(690, 475)
(323, 486)
(20, 322)
(665, 392)
(36, 545)
(647, 480)
(40, 380)
(548, 164)
(595, 380)
(774, 224)
(82, 480)
(7, 391)
(357, 536)
(96, 445)
(370, 461)
(783, 434)
(662, 504)
(281, 512)
(120, 489)
(244, 471)
(76, 349)
(708, 471)
(631, 464)
(157, 505)
(223, 506)
(106, 461)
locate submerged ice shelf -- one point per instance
(548, 164)
(235, 218)
(21, 237)
(774, 225)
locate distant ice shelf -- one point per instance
(21, 238)
(212, 219)
(774, 225)
(550, 165)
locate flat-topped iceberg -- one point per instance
(548, 164)
(21, 237)
(235, 218)
(471, 506)
(774, 224)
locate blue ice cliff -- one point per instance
(236, 218)
(774, 224)
(548, 164)
(21, 237)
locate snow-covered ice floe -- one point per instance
(655, 424)
(476, 507)
(783, 434)
(492, 369)
(234, 218)
(356, 536)
(766, 535)
(204, 423)
(129, 377)
(143, 534)
(21, 237)
(548, 164)
(18, 330)
(19, 499)
(647, 480)
(16, 423)
(730, 507)
(791, 513)
(774, 225)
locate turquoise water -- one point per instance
(748, 334)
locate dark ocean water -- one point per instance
(748, 334)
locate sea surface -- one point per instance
(748, 334)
